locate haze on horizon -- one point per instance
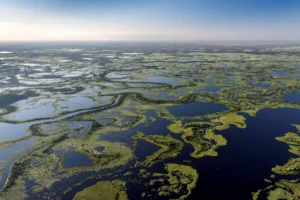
(155, 20)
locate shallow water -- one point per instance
(13, 131)
(12, 153)
(280, 74)
(210, 80)
(73, 159)
(154, 79)
(158, 79)
(263, 85)
(295, 96)
(213, 88)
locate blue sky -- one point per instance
(149, 20)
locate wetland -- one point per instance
(149, 121)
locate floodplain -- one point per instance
(149, 121)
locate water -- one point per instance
(74, 159)
(104, 121)
(213, 88)
(210, 80)
(280, 74)
(196, 109)
(241, 166)
(15, 150)
(26, 114)
(11, 131)
(295, 96)
(164, 95)
(158, 127)
(246, 161)
(11, 153)
(158, 79)
(144, 149)
(190, 60)
(263, 85)
(116, 76)
(50, 107)
(79, 128)
(155, 79)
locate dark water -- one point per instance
(73, 159)
(240, 168)
(144, 149)
(158, 127)
(196, 109)
(295, 96)
(242, 165)
(246, 161)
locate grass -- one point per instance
(297, 126)
(176, 127)
(114, 154)
(180, 176)
(292, 167)
(104, 190)
(204, 141)
(293, 140)
(231, 119)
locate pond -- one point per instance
(280, 74)
(212, 88)
(196, 109)
(295, 96)
(263, 85)
(144, 149)
(75, 159)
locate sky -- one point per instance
(149, 20)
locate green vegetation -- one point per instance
(182, 179)
(285, 189)
(293, 140)
(282, 189)
(291, 167)
(176, 127)
(125, 100)
(231, 119)
(104, 190)
(201, 136)
(113, 155)
(169, 147)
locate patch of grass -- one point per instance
(231, 119)
(104, 190)
(182, 180)
(292, 167)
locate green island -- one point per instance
(104, 190)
